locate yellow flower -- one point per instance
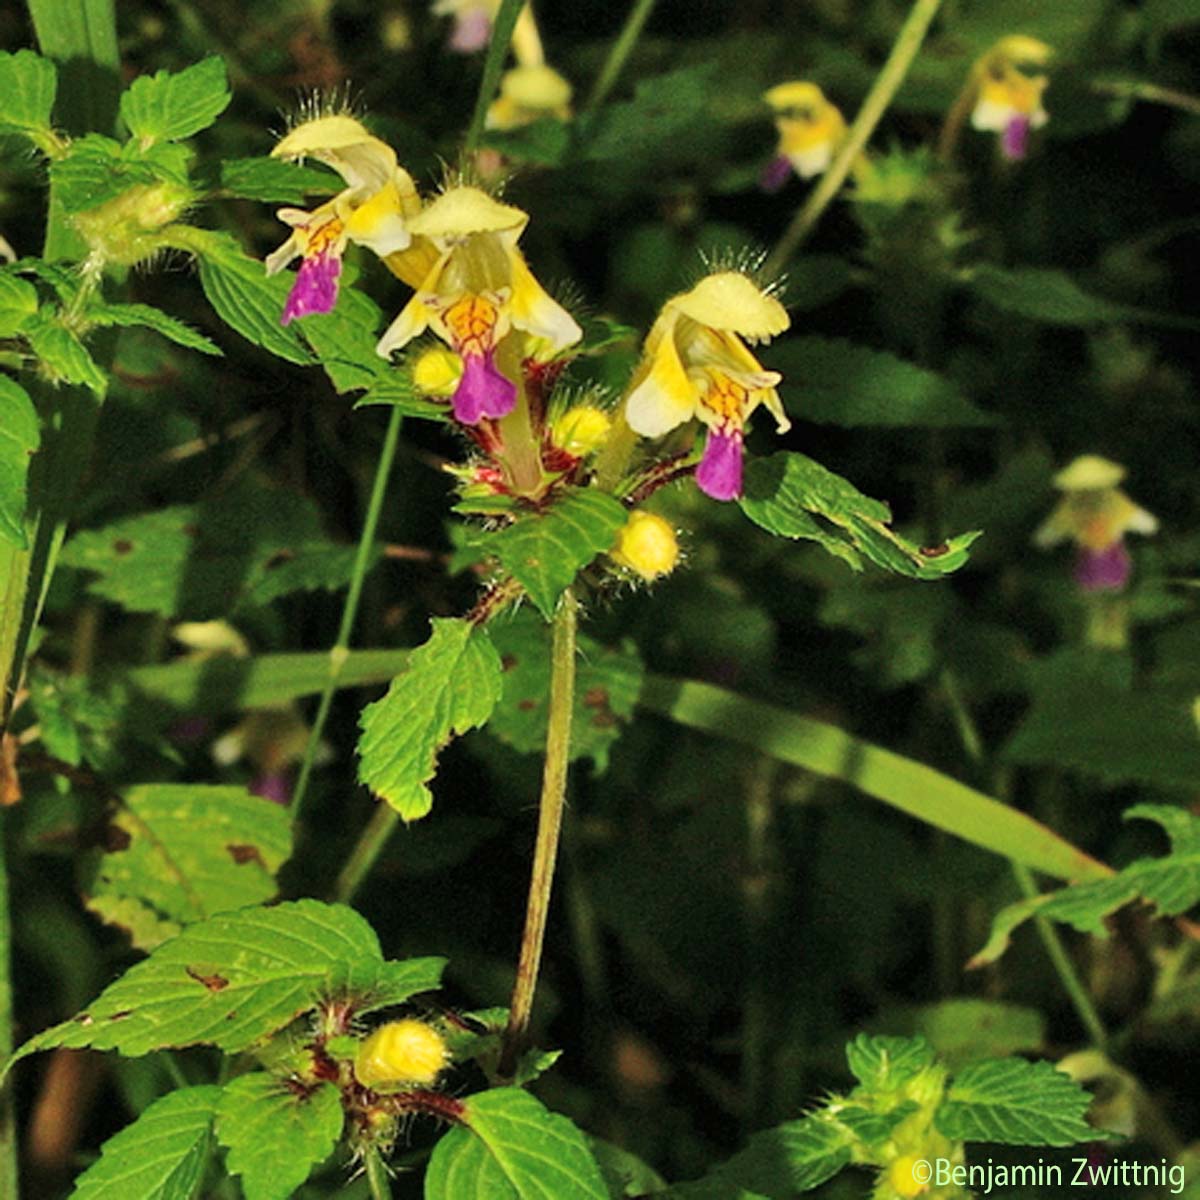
(527, 94)
(581, 430)
(373, 210)
(437, 372)
(810, 131)
(473, 28)
(1007, 83)
(401, 1053)
(696, 364)
(647, 545)
(478, 291)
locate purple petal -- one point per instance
(482, 391)
(1014, 141)
(315, 289)
(472, 31)
(274, 786)
(775, 174)
(719, 474)
(1103, 570)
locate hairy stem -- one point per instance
(377, 1176)
(341, 648)
(554, 788)
(887, 83)
(619, 54)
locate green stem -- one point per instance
(502, 31)
(620, 52)
(8, 1131)
(887, 83)
(377, 1176)
(550, 810)
(341, 648)
(365, 853)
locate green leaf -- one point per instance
(63, 356)
(544, 552)
(18, 302)
(1056, 299)
(19, 438)
(344, 341)
(97, 169)
(886, 1063)
(145, 316)
(239, 977)
(624, 1173)
(178, 853)
(837, 382)
(1171, 884)
(451, 684)
(513, 1148)
(77, 723)
(396, 390)
(964, 1028)
(1017, 1103)
(271, 181)
(275, 1134)
(545, 142)
(901, 782)
(244, 296)
(607, 684)
(167, 107)
(27, 86)
(786, 493)
(663, 108)
(161, 1156)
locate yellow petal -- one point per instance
(728, 301)
(378, 223)
(465, 210)
(415, 317)
(1057, 527)
(663, 396)
(343, 143)
(1088, 473)
(796, 94)
(537, 87)
(533, 311)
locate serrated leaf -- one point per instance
(244, 296)
(344, 341)
(513, 1148)
(276, 1135)
(18, 302)
(886, 1063)
(870, 1127)
(27, 87)
(624, 1173)
(451, 684)
(19, 439)
(1170, 883)
(161, 1156)
(607, 684)
(169, 107)
(544, 552)
(181, 852)
(1014, 1102)
(97, 169)
(786, 493)
(239, 977)
(838, 382)
(148, 317)
(271, 181)
(77, 723)
(63, 356)
(396, 390)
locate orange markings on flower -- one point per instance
(323, 238)
(472, 324)
(727, 398)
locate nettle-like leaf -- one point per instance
(161, 1156)
(344, 340)
(512, 1147)
(1015, 1102)
(178, 853)
(97, 169)
(148, 317)
(545, 551)
(27, 87)
(793, 496)
(608, 681)
(63, 356)
(624, 1173)
(837, 382)
(272, 181)
(239, 977)
(451, 684)
(167, 107)
(77, 723)
(19, 438)
(1170, 883)
(883, 1064)
(275, 1134)
(18, 302)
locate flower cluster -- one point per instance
(1006, 85)
(810, 131)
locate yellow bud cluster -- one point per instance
(401, 1053)
(647, 545)
(581, 430)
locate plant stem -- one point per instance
(366, 850)
(887, 83)
(554, 788)
(621, 49)
(502, 32)
(341, 648)
(8, 1131)
(377, 1176)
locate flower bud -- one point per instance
(401, 1053)
(437, 372)
(904, 1178)
(581, 431)
(127, 229)
(646, 545)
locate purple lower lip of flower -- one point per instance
(1106, 570)
(719, 474)
(274, 786)
(1014, 141)
(775, 174)
(472, 31)
(482, 391)
(315, 289)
